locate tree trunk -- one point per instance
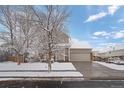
(19, 59)
(49, 61)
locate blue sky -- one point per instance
(97, 26)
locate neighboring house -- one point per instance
(113, 54)
(96, 56)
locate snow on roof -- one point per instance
(79, 44)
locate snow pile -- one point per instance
(35, 66)
(111, 66)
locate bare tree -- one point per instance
(6, 20)
(52, 21)
(28, 27)
(20, 30)
(41, 28)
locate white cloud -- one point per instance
(96, 16)
(107, 44)
(114, 27)
(114, 34)
(118, 35)
(121, 20)
(94, 37)
(101, 33)
(80, 44)
(100, 49)
(110, 11)
(122, 31)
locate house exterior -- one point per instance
(75, 54)
(96, 56)
(113, 54)
(70, 53)
(80, 54)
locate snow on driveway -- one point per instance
(111, 65)
(35, 66)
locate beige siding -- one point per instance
(60, 56)
(80, 51)
(80, 54)
(80, 57)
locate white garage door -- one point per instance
(80, 57)
(80, 54)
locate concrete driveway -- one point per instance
(102, 72)
(95, 71)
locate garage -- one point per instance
(80, 54)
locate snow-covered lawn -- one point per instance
(40, 74)
(44, 79)
(38, 70)
(35, 66)
(111, 66)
